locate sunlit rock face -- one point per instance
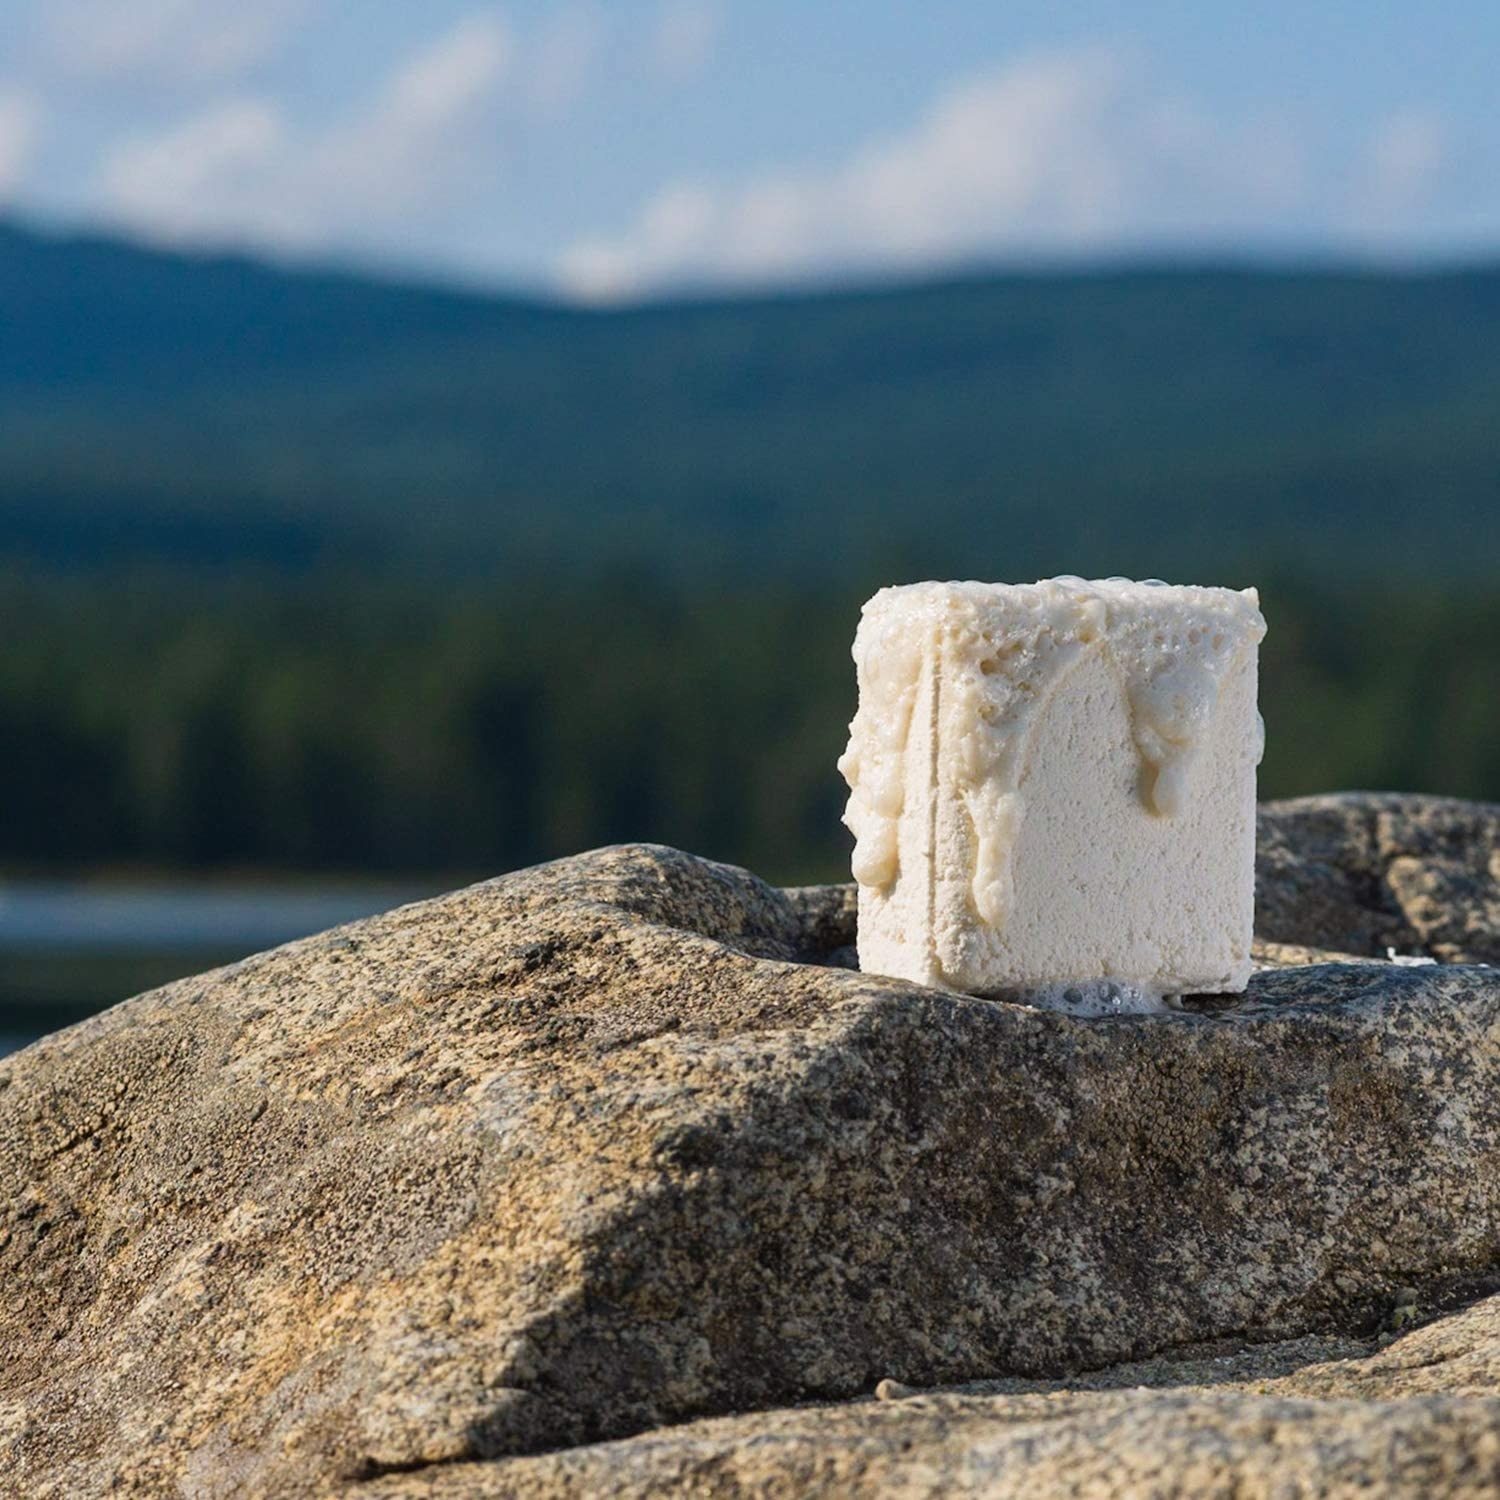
(1405, 1415)
(623, 1140)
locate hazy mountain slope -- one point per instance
(1185, 421)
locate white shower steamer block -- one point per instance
(1052, 787)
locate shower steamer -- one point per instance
(1052, 788)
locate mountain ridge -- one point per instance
(1203, 419)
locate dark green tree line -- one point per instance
(376, 727)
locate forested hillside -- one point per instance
(360, 728)
(309, 571)
(1192, 422)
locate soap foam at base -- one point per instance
(1096, 997)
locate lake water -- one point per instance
(68, 949)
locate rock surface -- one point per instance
(616, 1141)
(1369, 872)
(1315, 1417)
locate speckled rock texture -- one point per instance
(1368, 872)
(1418, 1419)
(621, 1141)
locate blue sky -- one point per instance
(615, 150)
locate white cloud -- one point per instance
(451, 74)
(177, 180)
(171, 42)
(1054, 152)
(685, 35)
(562, 56)
(20, 120)
(1405, 164)
(243, 170)
(415, 143)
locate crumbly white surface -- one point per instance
(1053, 784)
